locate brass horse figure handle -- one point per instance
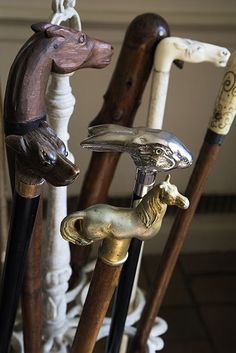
(117, 225)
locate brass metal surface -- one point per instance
(28, 190)
(114, 252)
(117, 226)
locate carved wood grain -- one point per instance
(100, 292)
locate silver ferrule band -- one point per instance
(144, 181)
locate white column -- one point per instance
(56, 252)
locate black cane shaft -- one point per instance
(31, 298)
(100, 292)
(204, 164)
(21, 227)
(144, 182)
(122, 299)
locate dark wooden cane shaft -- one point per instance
(100, 293)
(22, 222)
(206, 159)
(121, 102)
(31, 298)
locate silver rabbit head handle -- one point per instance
(151, 149)
(117, 226)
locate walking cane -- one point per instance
(40, 155)
(51, 48)
(219, 126)
(168, 50)
(31, 294)
(116, 224)
(3, 196)
(121, 102)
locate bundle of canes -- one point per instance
(168, 50)
(117, 225)
(40, 154)
(219, 126)
(121, 102)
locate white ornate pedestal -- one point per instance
(56, 252)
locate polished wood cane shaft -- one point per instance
(31, 298)
(100, 292)
(220, 124)
(173, 247)
(121, 102)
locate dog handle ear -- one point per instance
(57, 31)
(16, 143)
(40, 27)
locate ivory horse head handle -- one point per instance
(151, 149)
(118, 225)
(188, 50)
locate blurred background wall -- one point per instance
(191, 96)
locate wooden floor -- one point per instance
(200, 305)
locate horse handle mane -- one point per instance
(151, 208)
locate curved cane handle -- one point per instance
(188, 50)
(225, 106)
(167, 51)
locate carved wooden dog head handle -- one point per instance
(72, 49)
(150, 149)
(117, 225)
(51, 48)
(41, 154)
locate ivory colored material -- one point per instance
(167, 51)
(56, 259)
(224, 113)
(206, 159)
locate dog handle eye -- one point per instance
(82, 39)
(47, 161)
